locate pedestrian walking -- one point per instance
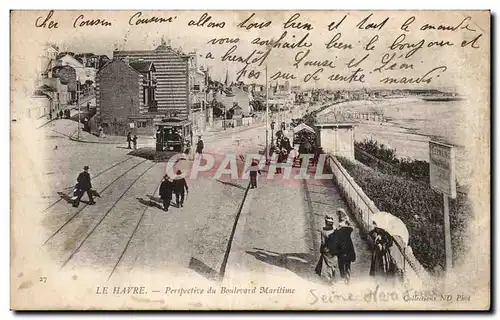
(382, 263)
(129, 140)
(344, 248)
(61, 114)
(187, 149)
(275, 160)
(166, 189)
(199, 146)
(325, 267)
(254, 169)
(86, 125)
(134, 141)
(101, 132)
(83, 185)
(180, 186)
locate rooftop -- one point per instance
(142, 65)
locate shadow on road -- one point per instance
(302, 264)
(155, 202)
(204, 270)
(64, 196)
(155, 199)
(150, 203)
(323, 203)
(232, 184)
(67, 198)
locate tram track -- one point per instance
(85, 206)
(94, 177)
(131, 236)
(107, 213)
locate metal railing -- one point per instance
(363, 210)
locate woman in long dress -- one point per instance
(382, 263)
(325, 267)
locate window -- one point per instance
(142, 124)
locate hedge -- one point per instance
(384, 159)
(420, 208)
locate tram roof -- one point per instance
(173, 122)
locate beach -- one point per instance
(410, 124)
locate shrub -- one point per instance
(382, 158)
(420, 208)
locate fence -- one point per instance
(363, 209)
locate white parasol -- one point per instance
(392, 224)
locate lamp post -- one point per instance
(78, 102)
(272, 133)
(224, 118)
(267, 119)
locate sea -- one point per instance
(412, 122)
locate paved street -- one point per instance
(127, 232)
(279, 232)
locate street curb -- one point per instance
(96, 142)
(237, 230)
(234, 255)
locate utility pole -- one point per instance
(267, 119)
(78, 103)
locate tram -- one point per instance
(174, 134)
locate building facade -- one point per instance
(172, 75)
(125, 97)
(67, 75)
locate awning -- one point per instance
(302, 127)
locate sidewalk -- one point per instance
(210, 134)
(278, 234)
(148, 140)
(142, 141)
(73, 109)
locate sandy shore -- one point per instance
(412, 143)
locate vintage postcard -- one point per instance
(250, 160)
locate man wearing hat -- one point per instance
(180, 185)
(83, 185)
(344, 248)
(199, 146)
(166, 192)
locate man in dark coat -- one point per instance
(343, 246)
(83, 185)
(254, 169)
(129, 140)
(199, 146)
(134, 140)
(166, 189)
(180, 185)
